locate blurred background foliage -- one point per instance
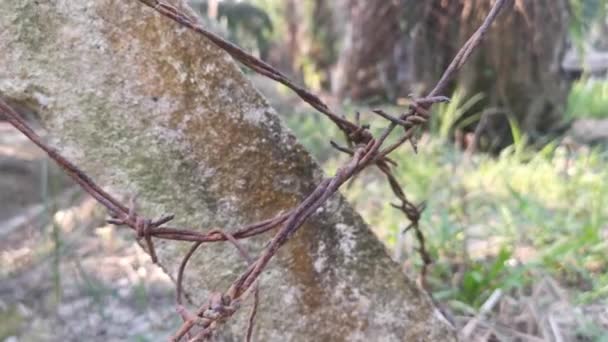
(513, 171)
(511, 192)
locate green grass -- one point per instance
(446, 116)
(11, 321)
(588, 99)
(490, 221)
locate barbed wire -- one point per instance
(364, 149)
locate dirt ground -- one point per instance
(64, 274)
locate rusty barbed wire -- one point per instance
(365, 150)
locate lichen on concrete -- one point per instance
(146, 107)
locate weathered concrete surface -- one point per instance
(147, 107)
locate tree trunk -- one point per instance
(394, 48)
(308, 45)
(212, 9)
(518, 68)
(375, 62)
(293, 18)
(146, 107)
(325, 39)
